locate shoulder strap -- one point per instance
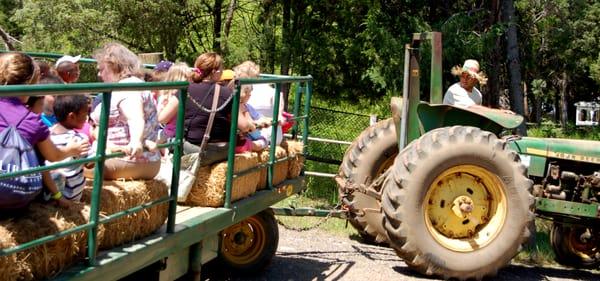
(211, 117)
(18, 123)
(4, 119)
(25, 116)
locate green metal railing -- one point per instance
(305, 87)
(91, 227)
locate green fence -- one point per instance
(326, 156)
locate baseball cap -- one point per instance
(67, 58)
(227, 74)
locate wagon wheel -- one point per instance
(248, 246)
(457, 204)
(369, 156)
(575, 246)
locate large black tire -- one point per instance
(371, 154)
(441, 169)
(571, 250)
(248, 246)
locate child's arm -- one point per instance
(169, 111)
(54, 154)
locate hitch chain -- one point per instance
(374, 190)
(317, 224)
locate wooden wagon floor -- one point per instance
(185, 213)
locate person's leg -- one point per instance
(120, 169)
(189, 148)
(215, 152)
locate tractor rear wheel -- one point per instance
(575, 246)
(248, 246)
(457, 204)
(368, 157)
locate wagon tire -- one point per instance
(249, 246)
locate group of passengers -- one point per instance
(58, 129)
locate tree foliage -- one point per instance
(353, 48)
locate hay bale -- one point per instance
(9, 270)
(120, 195)
(51, 258)
(209, 188)
(296, 160)
(280, 169)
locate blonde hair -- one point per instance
(247, 69)
(18, 68)
(177, 72)
(119, 59)
(246, 90)
(206, 64)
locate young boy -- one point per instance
(71, 113)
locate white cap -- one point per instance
(67, 58)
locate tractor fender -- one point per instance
(443, 115)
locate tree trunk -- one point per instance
(495, 54)
(286, 39)
(513, 63)
(6, 38)
(537, 110)
(228, 20)
(268, 44)
(217, 26)
(563, 100)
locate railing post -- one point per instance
(297, 98)
(177, 153)
(98, 177)
(306, 119)
(274, 130)
(235, 108)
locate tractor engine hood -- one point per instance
(566, 149)
(442, 115)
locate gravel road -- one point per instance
(319, 255)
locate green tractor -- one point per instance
(455, 195)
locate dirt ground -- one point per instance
(319, 255)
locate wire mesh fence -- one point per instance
(325, 157)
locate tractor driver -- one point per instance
(464, 93)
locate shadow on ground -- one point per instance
(283, 267)
(521, 273)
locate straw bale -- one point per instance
(119, 195)
(51, 258)
(296, 160)
(280, 169)
(209, 188)
(9, 270)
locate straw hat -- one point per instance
(472, 68)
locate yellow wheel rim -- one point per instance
(244, 242)
(385, 165)
(465, 208)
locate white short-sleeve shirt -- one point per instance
(457, 95)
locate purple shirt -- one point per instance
(31, 128)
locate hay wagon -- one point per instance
(128, 227)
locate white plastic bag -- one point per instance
(187, 175)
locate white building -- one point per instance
(587, 114)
